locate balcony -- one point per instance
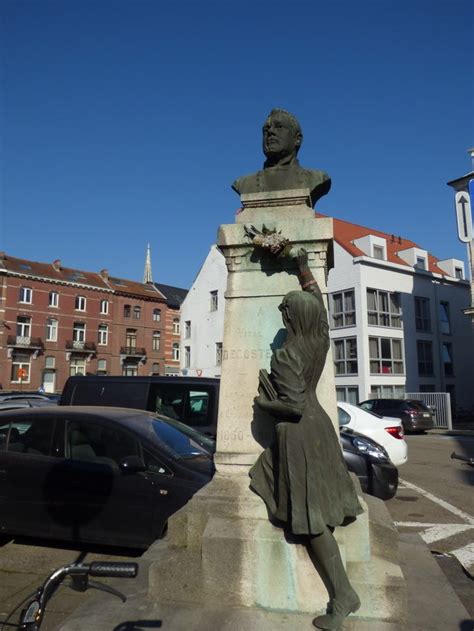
(132, 352)
(76, 346)
(25, 342)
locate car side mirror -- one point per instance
(132, 464)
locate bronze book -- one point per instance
(267, 386)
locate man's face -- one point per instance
(279, 138)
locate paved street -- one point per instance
(435, 499)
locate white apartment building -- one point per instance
(396, 318)
(202, 319)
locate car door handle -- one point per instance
(163, 491)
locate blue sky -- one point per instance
(125, 122)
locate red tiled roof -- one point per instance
(56, 272)
(346, 232)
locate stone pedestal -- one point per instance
(220, 547)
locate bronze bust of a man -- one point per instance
(282, 139)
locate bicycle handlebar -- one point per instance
(113, 569)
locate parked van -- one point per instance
(192, 400)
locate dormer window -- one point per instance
(458, 273)
(373, 246)
(416, 257)
(378, 252)
(420, 262)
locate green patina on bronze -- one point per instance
(282, 139)
(302, 476)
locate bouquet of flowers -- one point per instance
(270, 240)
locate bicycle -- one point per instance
(33, 612)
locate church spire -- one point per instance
(147, 277)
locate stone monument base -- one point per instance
(221, 550)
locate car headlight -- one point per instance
(366, 446)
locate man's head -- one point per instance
(282, 136)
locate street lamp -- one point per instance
(464, 193)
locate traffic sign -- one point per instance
(463, 216)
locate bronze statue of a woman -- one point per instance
(302, 477)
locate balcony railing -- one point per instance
(132, 351)
(77, 346)
(25, 341)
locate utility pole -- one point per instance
(464, 194)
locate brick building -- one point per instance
(174, 299)
(57, 321)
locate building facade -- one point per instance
(202, 319)
(396, 318)
(56, 322)
(172, 353)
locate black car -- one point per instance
(370, 462)
(415, 415)
(96, 475)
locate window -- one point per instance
(176, 352)
(130, 369)
(425, 387)
(422, 314)
(156, 315)
(96, 443)
(155, 368)
(447, 356)
(32, 435)
(137, 312)
(343, 309)
(23, 326)
(187, 329)
(53, 299)
(175, 326)
(104, 307)
(77, 366)
(51, 330)
(385, 356)
(444, 320)
(379, 252)
(213, 300)
(26, 295)
(420, 262)
(383, 308)
(387, 392)
(101, 366)
(80, 303)
(218, 353)
(350, 394)
(79, 333)
(187, 356)
(131, 338)
(424, 350)
(156, 340)
(50, 362)
(103, 334)
(127, 311)
(21, 368)
(458, 273)
(345, 356)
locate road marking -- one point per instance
(435, 532)
(465, 556)
(437, 500)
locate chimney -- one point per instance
(57, 265)
(105, 274)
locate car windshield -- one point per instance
(181, 445)
(201, 439)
